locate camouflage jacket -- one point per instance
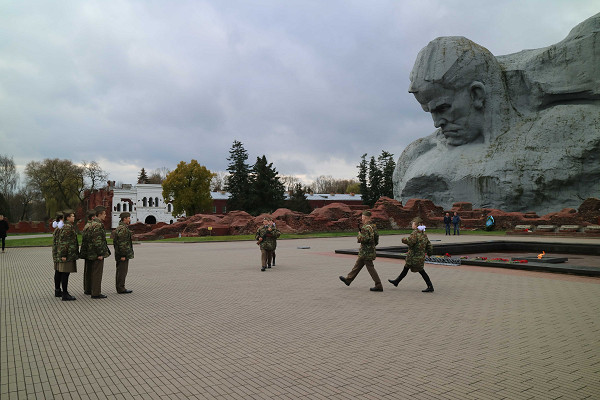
(55, 239)
(68, 245)
(419, 246)
(122, 241)
(269, 237)
(366, 238)
(85, 240)
(95, 241)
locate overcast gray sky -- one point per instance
(311, 84)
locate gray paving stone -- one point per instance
(203, 322)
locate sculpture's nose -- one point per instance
(438, 121)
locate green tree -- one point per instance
(387, 166)
(8, 183)
(60, 182)
(362, 179)
(188, 188)
(375, 181)
(298, 200)
(238, 181)
(353, 188)
(143, 176)
(266, 190)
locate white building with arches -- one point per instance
(144, 202)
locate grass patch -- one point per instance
(38, 242)
(47, 241)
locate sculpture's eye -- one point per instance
(442, 108)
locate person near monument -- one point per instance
(57, 225)
(68, 253)
(85, 243)
(456, 223)
(447, 222)
(368, 239)
(266, 238)
(97, 250)
(123, 251)
(419, 247)
(4, 227)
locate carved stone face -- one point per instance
(458, 113)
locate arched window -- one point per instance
(169, 207)
(118, 206)
(124, 206)
(150, 202)
(145, 202)
(156, 201)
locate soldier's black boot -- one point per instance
(57, 280)
(429, 289)
(263, 268)
(396, 281)
(343, 279)
(67, 297)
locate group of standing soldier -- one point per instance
(94, 249)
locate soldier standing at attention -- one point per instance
(123, 250)
(97, 251)
(368, 239)
(266, 237)
(85, 243)
(57, 225)
(68, 252)
(418, 247)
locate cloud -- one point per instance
(312, 85)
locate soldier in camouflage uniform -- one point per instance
(419, 246)
(85, 242)
(123, 251)
(68, 253)
(367, 237)
(57, 225)
(266, 237)
(96, 251)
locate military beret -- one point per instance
(68, 212)
(91, 213)
(366, 213)
(124, 215)
(99, 209)
(59, 214)
(417, 220)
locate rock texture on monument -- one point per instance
(517, 132)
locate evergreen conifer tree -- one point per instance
(298, 201)
(387, 167)
(362, 179)
(266, 190)
(143, 176)
(375, 181)
(238, 182)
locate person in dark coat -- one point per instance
(456, 223)
(57, 225)
(3, 229)
(68, 253)
(447, 222)
(419, 247)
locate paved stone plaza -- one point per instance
(203, 322)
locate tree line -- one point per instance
(47, 186)
(54, 184)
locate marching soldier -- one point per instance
(368, 239)
(419, 246)
(266, 237)
(123, 251)
(68, 253)
(85, 242)
(57, 225)
(96, 251)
